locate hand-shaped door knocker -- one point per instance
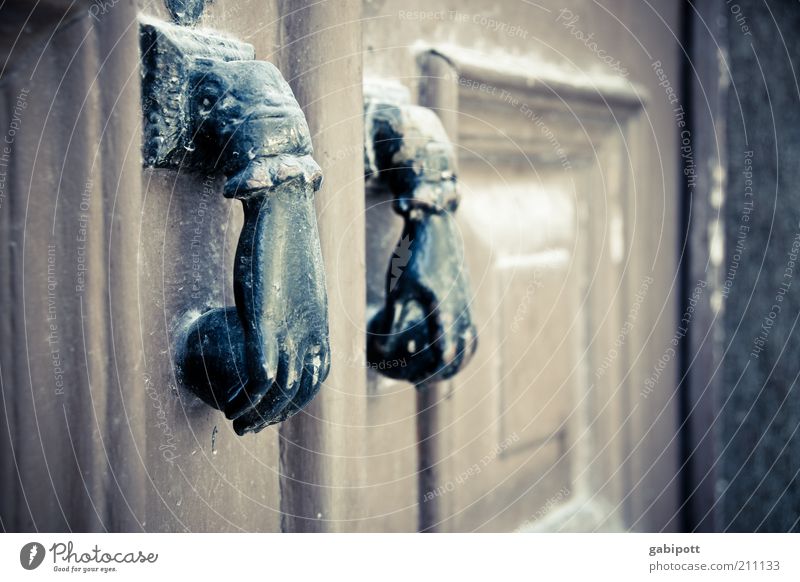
(425, 320)
(264, 359)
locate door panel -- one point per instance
(299, 475)
(101, 435)
(73, 404)
(203, 477)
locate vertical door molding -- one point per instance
(322, 464)
(73, 398)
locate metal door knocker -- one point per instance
(425, 320)
(213, 108)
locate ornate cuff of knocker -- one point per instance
(415, 158)
(428, 197)
(264, 174)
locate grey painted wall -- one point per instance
(758, 440)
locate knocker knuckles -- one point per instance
(300, 368)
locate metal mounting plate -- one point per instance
(167, 53)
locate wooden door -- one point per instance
(568, 206)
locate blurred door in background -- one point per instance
(566, 121)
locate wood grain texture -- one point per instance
(322, 447)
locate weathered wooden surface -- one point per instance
(121, 447)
